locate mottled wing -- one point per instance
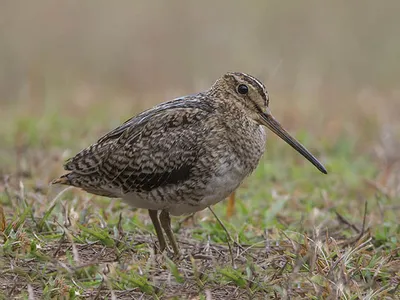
(88, 160)
(156, 148)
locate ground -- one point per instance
(296, 233)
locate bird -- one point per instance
(183, 155)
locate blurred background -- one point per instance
(332, 68)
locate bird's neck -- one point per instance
(225, 104)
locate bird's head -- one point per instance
(252, 96)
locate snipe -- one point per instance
(183, 155)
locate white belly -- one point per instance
(217, 190)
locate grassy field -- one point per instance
(296, 233)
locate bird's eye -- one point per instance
(242, 89)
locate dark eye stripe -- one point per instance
(238, 77)
(258, 85)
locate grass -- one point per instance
(297, 233)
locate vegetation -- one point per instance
(296, 233)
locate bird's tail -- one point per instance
(62, 180)
(78, 181)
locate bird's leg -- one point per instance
(166, 224)
(154, 218)
(231, 205)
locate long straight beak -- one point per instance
(269, 121)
